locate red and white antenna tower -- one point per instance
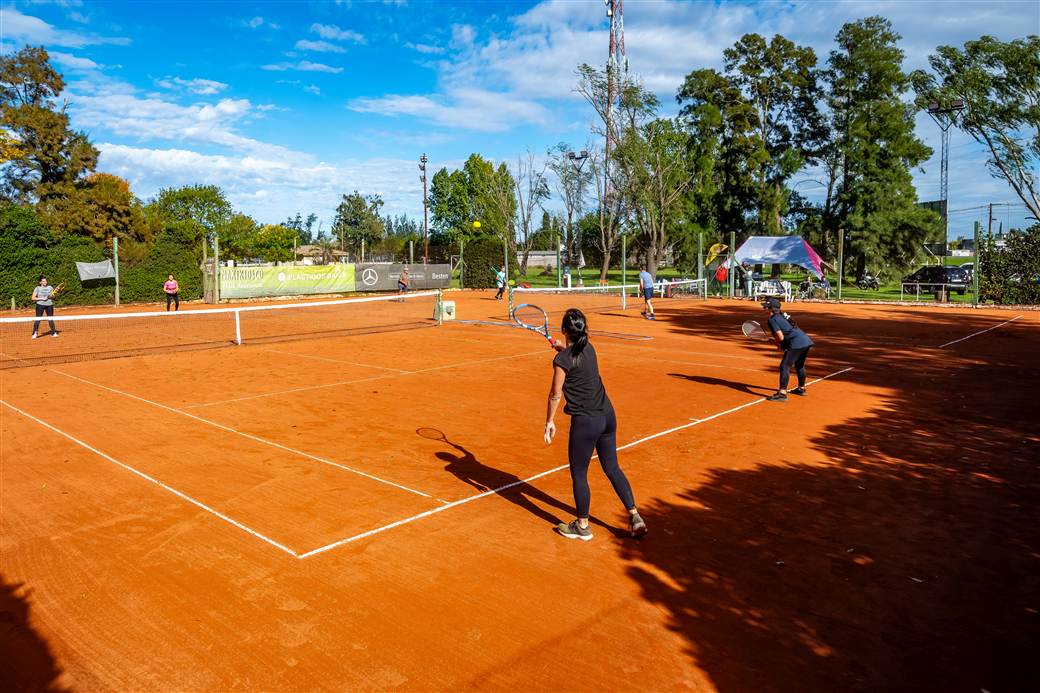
(617, 64)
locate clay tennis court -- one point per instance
(267, 517)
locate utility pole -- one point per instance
(425, 212)
(115, 256)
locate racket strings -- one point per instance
(531, 316)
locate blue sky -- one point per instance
(288, 105)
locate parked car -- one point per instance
(933, 278)
(969, 267)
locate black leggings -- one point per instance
(175, 299)
(40, 310)
(599, 432)
(796, 358)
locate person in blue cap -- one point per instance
(795, 344)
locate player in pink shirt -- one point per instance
(172, 295)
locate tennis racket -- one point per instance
(58, 289)
(533, 318)
(752, 329)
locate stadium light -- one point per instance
(943, 117)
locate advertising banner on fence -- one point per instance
(248, 282)
(383, 276)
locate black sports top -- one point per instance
(583, 387)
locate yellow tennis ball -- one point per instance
(476, 224)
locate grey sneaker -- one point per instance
(573, 531)
(800, 391)
(636, 527)
(777, 397)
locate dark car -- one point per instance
(934, 278)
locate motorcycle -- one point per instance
(868, 281)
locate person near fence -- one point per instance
(500, 281)
(43, 296)
(404, 281)
(795, 344)
(593, 425)
(172, 293)
(646, 290)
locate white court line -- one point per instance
(250, 436)
(975, 334)
(325, 358)
(151, 479)
(308, 388)
(485, 494)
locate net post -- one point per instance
(509, 302)
(440, 308)
(238, 328)
(732, 263)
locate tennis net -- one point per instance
(86, 337)
(599, 299)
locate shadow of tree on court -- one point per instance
(910, 560)
(739, 387)
(26, 662)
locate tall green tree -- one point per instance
(655, 159)
(476, 192)
(101, 207)
(199, 209)
(874, 132)
(45, 157)
(999, 83)
(723, 126)
(779, 80)
(358, 221)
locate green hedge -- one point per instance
(1012, 276)
(483, 258)
(28, 249)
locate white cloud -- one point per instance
(302, 66)
(465, 108)
(204, 87)
(313, 89)
(462, 35)
(319, 46)
(255, 22)
(425, 48)
(73, 62)
(28, 29)
(334, 33)
(261, 185)
(79, 18)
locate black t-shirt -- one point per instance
(583, 387)
(797, 336)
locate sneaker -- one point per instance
(35, 336)
(651, 317)
(573, 531)
(54, 334)
(777, 397)
(800, 391)
(636, 527)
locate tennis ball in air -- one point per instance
(476, 224)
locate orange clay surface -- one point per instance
(266, 517)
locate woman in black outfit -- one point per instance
(593, 425)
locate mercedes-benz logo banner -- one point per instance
(297, 280)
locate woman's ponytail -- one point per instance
(575, 326)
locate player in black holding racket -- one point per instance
(593, 425)
(795, 345)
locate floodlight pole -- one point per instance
(425, 209)
(943, 117)
(841, 260)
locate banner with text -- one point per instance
(384, 276)
(249, 282)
